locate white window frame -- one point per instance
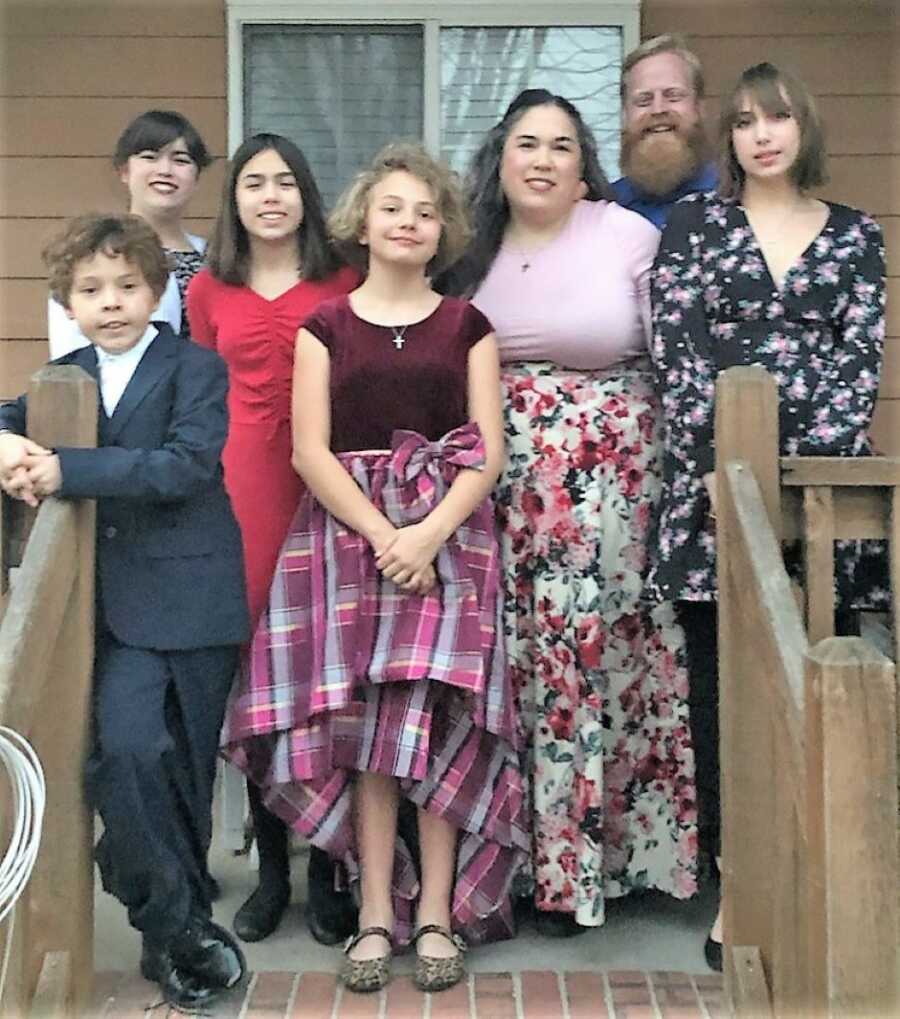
(433, 15)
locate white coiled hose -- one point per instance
(26, 779)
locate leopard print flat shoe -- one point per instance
(439, 974)
(366, 975)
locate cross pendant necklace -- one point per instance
(399, 335)
(521, 256)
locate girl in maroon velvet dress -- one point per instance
(377, 672)
(270, 265)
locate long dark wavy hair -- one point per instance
(489, 207)
(228, 254)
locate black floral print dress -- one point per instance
(821, 333)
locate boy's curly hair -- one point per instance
(126, 235)
(348, 219)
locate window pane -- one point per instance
(339, 92)
(483, 69)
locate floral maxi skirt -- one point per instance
(349, 673)
(598, 671)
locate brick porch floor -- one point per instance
(618, 994)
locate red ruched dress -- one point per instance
(255, 337)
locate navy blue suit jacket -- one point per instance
(169, 558)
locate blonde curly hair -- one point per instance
(347, 221)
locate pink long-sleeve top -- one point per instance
(584, 299)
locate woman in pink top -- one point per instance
(563, 274)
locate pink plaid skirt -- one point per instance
(347, 672)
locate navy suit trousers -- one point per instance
(157, 718)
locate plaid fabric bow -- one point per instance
(422, 472)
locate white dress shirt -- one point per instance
(115, 370)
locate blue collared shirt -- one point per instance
(656, 208)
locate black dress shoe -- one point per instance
(713, 952)
(182, 991)
(209, 953)
(261, 914)
(557, 925)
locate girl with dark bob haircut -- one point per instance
(228, 256)
(489, 208)
(776, 92)
(156, 129)
(158, 158)
(270, 265)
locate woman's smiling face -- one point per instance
(540, 170)
(160, 181)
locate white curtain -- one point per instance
(341, 92)
(484, 69)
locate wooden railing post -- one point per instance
(851, 741)
(747, 430)
(809, 737)
(58, 913)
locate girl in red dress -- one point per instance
(270, 264)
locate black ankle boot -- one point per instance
(331, 916)
(261, 914)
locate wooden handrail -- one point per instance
(46, 663)
(761, 698)
(809, 733)
(43, 588)
(870, 471)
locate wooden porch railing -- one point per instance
(809, 728)
(46, 659)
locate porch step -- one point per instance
(617, 994)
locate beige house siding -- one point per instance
(72, 74)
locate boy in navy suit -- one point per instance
(171, 607)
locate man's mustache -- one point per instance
(646, 124)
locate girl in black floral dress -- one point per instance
(758, 272)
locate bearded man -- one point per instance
(664, 149)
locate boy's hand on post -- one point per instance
(17, 485)
(13, 451)
(44, 473)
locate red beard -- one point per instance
(657, 162)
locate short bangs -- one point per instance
(766, 86)
(156, 129)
